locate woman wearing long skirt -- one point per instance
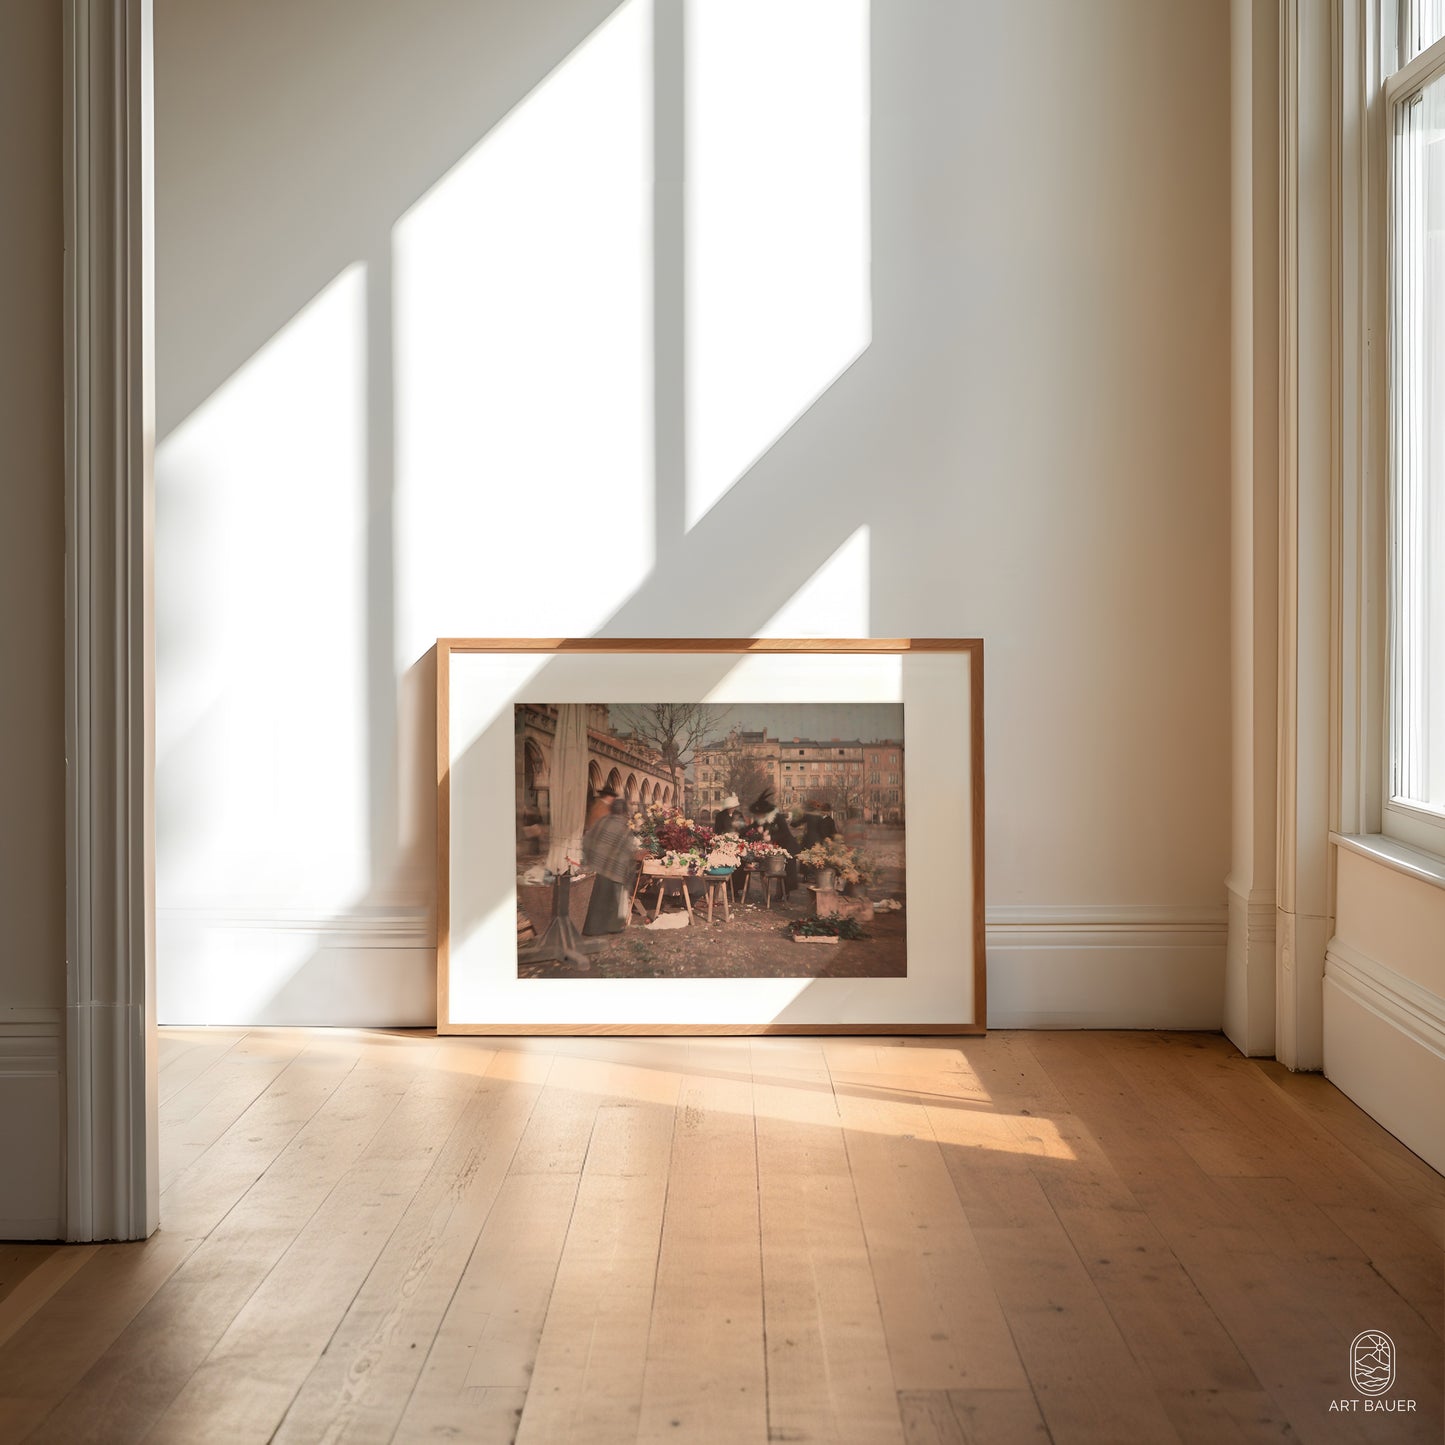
(610, 850)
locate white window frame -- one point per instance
(1402, 820)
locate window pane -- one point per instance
(1424, 25)
(1418, 510)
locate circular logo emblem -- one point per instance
(1372, 1362)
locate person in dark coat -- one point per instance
(818, 826)
(774, 823)
(729, 816)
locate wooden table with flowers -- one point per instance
(678, 849)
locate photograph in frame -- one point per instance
(792, 843)
(707, 840)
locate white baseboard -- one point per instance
(31, 1128)
(1385, 1047)
(277, 968)
(1067, 966)
(1249, 971)
(1106, 967)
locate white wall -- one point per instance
(573, 319)
(32, 550)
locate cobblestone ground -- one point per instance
(754, 943)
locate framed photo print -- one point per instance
(719, 835)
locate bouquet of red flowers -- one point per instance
(661, 829)
(676, 837)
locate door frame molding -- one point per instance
(111, 1165)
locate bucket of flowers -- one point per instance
(724, 855)
(835, 863)
(772, 859)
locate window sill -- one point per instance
(1413, 862)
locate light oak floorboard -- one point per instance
(35, 1279)
(232, 1216)
(200, 1113)
(706, 1375)
(361, 1384)
(17, 1261)
(248, 1380)
(829, 1376)
(943, 1324)
(475, 1377)
(591, 1360)
(383, 1235)
(186, 1055)
(972, 1417)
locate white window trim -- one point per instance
(1400, 819)
(1363, 808)
(1402, 859)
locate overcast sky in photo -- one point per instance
(849, 721)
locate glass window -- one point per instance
(1416, 766)
(1424, 24)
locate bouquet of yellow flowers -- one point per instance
(852, 865)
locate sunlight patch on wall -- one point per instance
(834, 601)
(777, 165)
(261, 777)
(523, 355)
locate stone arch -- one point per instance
(594, 777)
(534, 778)
(667, 794)
(630, 791)
(644, 793)
(614, 781)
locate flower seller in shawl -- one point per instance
(611, 850)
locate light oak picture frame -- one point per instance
(942, 681)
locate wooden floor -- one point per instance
(1079, 1237)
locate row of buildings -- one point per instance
(850, 777)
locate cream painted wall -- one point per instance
(1249, 987)
(1393, 917)
(32, 548)
(449, 295)
(1384, 997)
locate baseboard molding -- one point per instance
(360, 969)
(1121, 966)
(1385, 1047)
(403, 926)
(1249, 971)
(31, 1126)
(1050, 966)
(30, 1040)
(1405, 1005)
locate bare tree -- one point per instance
(851, 795)
(674, 730)
(845, 798)
(746, 775)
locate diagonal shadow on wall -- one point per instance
(328, 123)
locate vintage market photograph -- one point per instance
(699, 840)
